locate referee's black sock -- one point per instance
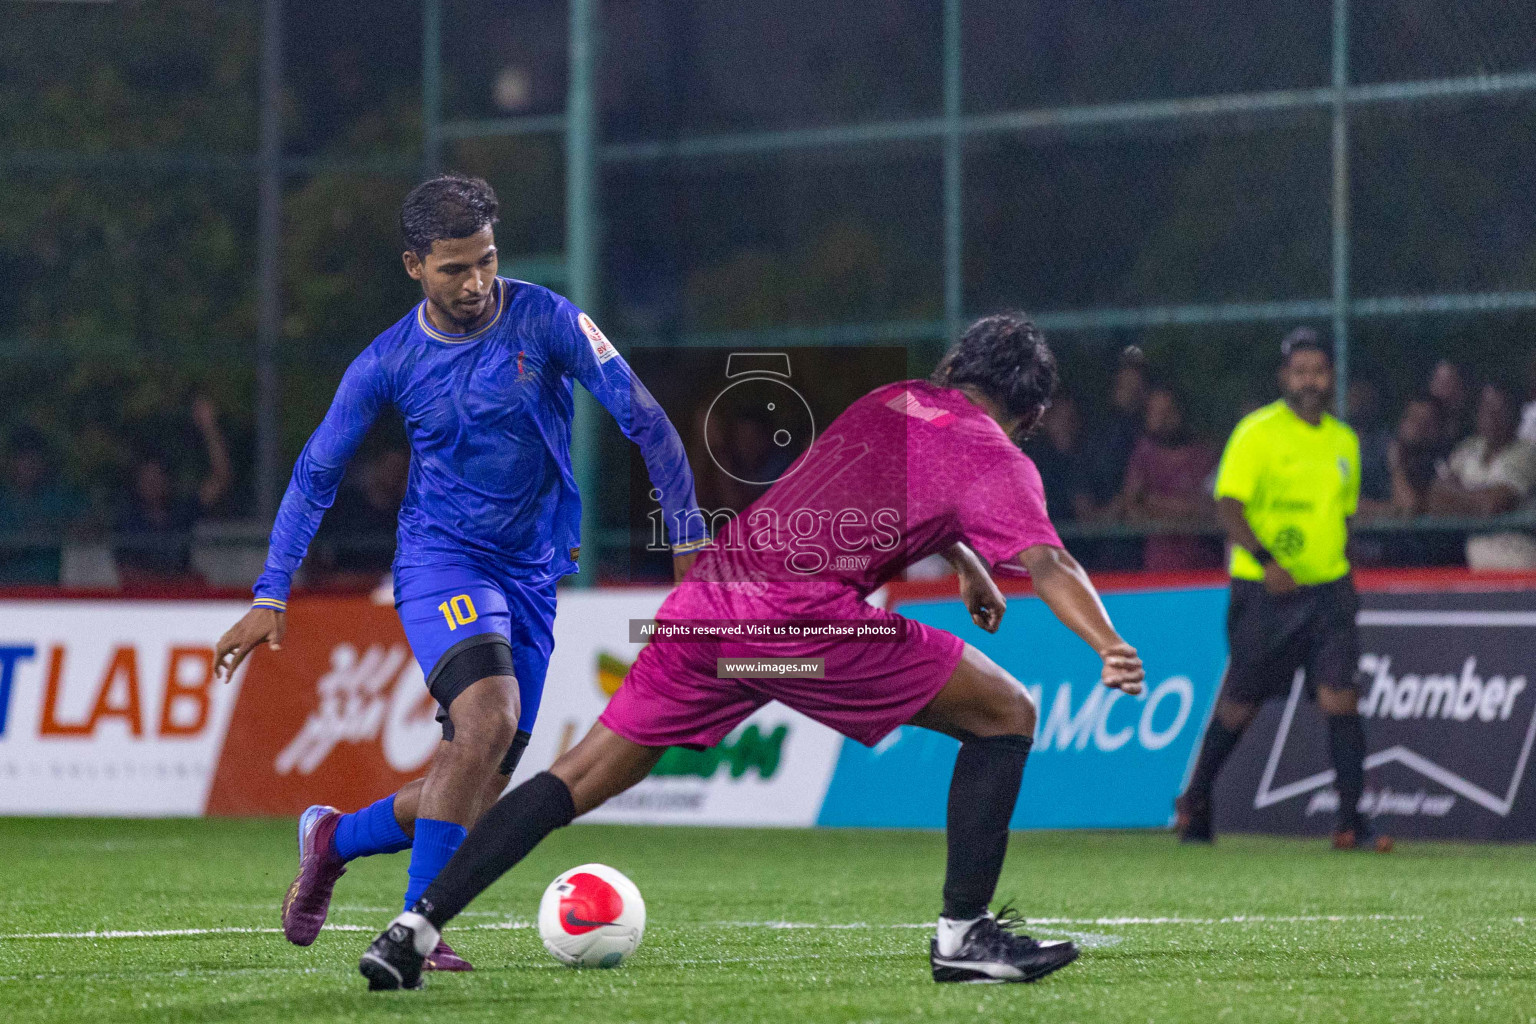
(1346, 740)
(1217, 746)
(506, 833)
(982, 793)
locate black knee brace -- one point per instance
(465, 663)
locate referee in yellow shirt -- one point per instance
(1288, 483)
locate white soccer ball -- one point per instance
(592, 916)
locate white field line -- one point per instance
(167, 933)
(173, 933)
(336, 908)
(516, 925)
(1235, 919)
(1117, 921)
(179, 972)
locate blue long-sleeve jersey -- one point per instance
(488, 415)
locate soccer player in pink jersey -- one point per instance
(909, 470)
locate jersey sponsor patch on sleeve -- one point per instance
(601, 347)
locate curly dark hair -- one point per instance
(1004, 356)
(447, 206)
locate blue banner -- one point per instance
(1101, 759)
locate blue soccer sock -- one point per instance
(370, 830)
(436, 842)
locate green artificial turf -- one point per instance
(778, 926)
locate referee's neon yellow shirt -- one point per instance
(1298, 485)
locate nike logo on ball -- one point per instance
(576, 922)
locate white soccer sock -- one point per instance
(952, 933)
(424, 936)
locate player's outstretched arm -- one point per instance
(310, 492)
(317, 474)
(258, 626)
(682, 563)
(593, 360)
(977, 588)
(1066, 590)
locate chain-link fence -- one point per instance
(199, 201)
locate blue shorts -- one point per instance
(443, 606)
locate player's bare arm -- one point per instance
(256, 627)
(977, 588)
(681, 564)
(1065, 588)
(1234, 523)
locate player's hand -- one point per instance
(1122, 668)
(681, 564)
(983, 600)
(1277, 580)
(258, 626)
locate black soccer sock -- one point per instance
(1217, 746)
(1346, 739)
(982, 793)
(506, 833)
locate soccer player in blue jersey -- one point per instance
(481, 371)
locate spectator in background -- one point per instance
(1109, 454)
(355, 544)
(735, 456)
(1448, 386)
(1119, 428)
(1168, 480)
(1490, 473)
(36, 508)
(1364, 415)
(1056, 449)
(1527, 430)
(154, 524)
(1412, 458)
(1415, 454)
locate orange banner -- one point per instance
(340, 715)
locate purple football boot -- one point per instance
(309, 897)
(443, 958)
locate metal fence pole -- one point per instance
(431, 87)
(581, 227)
(954, 171)
(1341, 205)
(269, 260)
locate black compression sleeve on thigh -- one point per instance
(514, 825)
(982, 793)
(1346, 740)
(1217, 746)
(514, 752)
(466, 663)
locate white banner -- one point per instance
(110, 707)
(774, 770)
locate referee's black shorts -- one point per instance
(1271, 636)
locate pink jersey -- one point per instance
(903, 473)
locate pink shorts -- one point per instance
(672, 696)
